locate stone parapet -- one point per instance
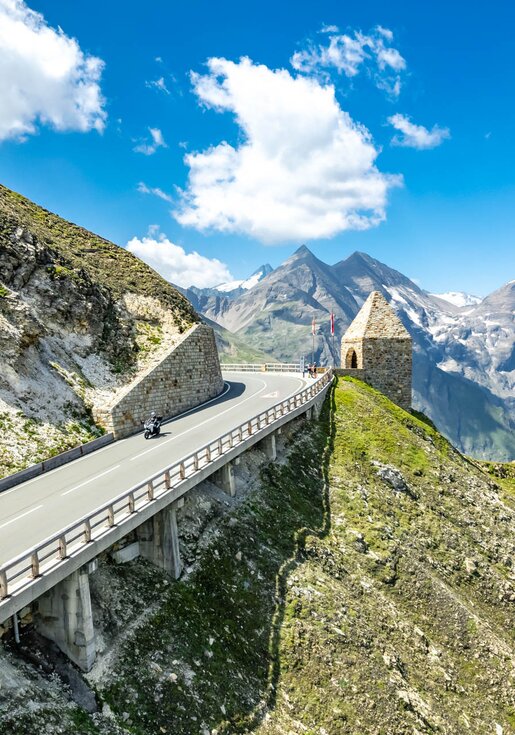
(186, 377)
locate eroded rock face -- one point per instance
(71, 333)
(59, 297)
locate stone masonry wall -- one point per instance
(188, 376)
(351, 344)
(388, 365)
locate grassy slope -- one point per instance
(330, 604)
(232, 348)
(80, 250)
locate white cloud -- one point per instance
(349, 54)
(158, 84)
(148, 149)
(304, 170)
(45, 77)
(155, 191)
(416, 136)
(329, 29)
(175, 264)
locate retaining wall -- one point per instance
(52, 462)
(187, 376)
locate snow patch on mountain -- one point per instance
(247, 283)
(459, 298)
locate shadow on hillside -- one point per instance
(298, 556)
(227, 619)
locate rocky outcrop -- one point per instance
(80, 318)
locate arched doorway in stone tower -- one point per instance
(351, 359)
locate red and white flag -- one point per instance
(313, 326)
(332, 323)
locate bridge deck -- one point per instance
(35, 510)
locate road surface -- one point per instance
(38, 508)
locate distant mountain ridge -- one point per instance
(464, 358)
(236, 287)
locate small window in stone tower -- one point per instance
(351, 360)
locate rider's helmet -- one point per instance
(152, 414)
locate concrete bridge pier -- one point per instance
(159, 540)
(313, 413)
(65, 617)
(269, 445)
(224, 478)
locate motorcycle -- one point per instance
(152, 427)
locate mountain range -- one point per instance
(464, 355)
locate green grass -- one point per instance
(82, 256)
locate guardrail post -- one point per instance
(131, 503)
(87, 531)
(3, 584)
(249, 428)
(182, 471)
(34, 563)
(240, 434)
(220, 447)
(195, 462)
(110, 516)
(62, 547)
(150, 490)
(208, 454)
(167, 479)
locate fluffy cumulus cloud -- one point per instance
(175, 264)
(416, 136)
(45, 77)
(149, 146)
(351, 53)
(304, 169)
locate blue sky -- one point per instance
(439, 207)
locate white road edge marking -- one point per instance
(91, 479)
(109, 446)
(21, 516)
(176, 436)
(201, 405)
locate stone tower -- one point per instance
(377, 348)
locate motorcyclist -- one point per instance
(152, 425)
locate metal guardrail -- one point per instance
(265, 367)
(20, 571)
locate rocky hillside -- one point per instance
(464, 369)
(363, 585)
(79, 317)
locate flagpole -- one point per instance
(332, 335)
(313, 330)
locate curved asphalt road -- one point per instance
(38, 508)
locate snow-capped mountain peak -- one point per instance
(246, 283)
(458, 298)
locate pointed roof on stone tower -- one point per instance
(376, 319)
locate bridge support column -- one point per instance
(159, 541)
(317, 409)
(65, 617)
(314, 412)
(224, 478)
(270, 447)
